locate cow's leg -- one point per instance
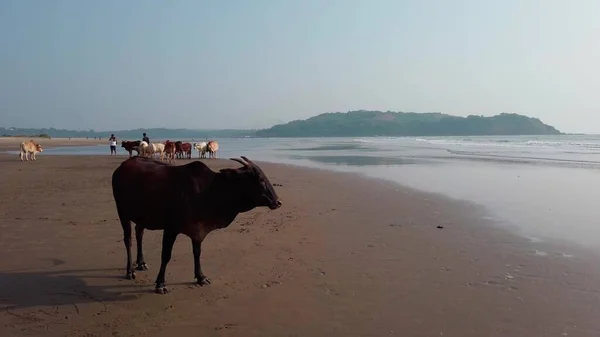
(130, 274)
(33, 156)
(165, 256)
(201, 279)
(139, 237)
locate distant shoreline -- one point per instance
(307, 136)
(12, 143)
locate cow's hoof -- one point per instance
(161, 289)
(142, 266)
(130, 275)
(203, 281)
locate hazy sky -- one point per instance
(249, 64)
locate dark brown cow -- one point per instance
(131, 146)
(194, 201)
(186, 149)
(170, 151)
(178, 149)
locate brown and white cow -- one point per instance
(29, 147)
(212, 147)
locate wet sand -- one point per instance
(344, 256)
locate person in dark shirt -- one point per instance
(146, 139)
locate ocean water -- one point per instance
(544, 187)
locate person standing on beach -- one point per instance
(113, 144)
(146, 139)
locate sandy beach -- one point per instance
(344, 256)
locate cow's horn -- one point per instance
(247, 160)
(239, 161)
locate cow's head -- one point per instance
(38, 148)
(257, 186)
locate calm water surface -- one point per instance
(546, 186)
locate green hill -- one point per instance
(377, 123)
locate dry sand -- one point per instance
(344, 256)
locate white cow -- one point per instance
(158, 148)
(201, 147)
(145, 149)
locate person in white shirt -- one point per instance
(113, 144)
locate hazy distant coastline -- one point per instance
(159, 133)
(359, 123)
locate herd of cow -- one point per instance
(169, 150)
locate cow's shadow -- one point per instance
(23, 289)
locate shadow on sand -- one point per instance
(66, 287)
